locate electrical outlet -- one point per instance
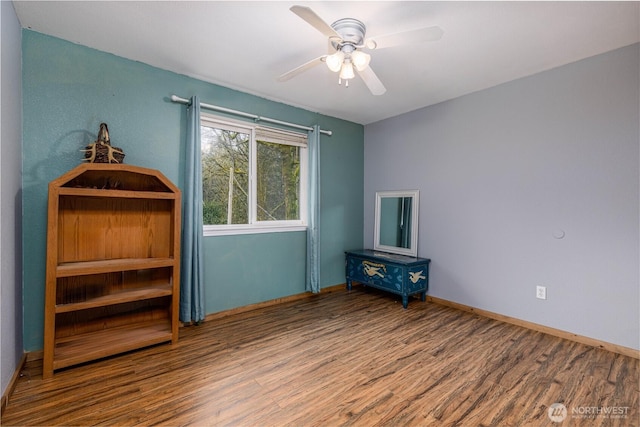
(541, 292)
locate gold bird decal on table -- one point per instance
(414, 276)
(101, 151)
(372, 271)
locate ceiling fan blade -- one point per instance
(372, 81)
(426, 34)
(314, 20)
(302, 68)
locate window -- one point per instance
(253, 178)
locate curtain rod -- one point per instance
(176, 98)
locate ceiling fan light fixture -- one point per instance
(346, 72)
(334, 62)
(347, 36)
(360, 60)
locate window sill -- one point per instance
(250, 229)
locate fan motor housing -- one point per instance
(351, 30)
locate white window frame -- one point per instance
(254, 226)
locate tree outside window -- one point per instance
(251, 176)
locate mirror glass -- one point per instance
(396, 222)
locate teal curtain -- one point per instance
(313, 229)
(192, 275)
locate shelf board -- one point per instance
(82, 268)
(138, 294)
(123, 194)
(108, 342)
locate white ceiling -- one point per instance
(246, 45)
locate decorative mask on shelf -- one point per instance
(101, 151)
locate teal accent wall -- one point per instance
(390, 217)
(68, 90)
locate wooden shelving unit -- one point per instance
(113, 263)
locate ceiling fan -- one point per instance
(346, 44)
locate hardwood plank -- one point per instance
(339, 358)
(541, 328)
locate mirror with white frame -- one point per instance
(396, 222)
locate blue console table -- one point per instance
(400, 274)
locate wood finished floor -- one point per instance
(342, 358)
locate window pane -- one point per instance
(225, 176)
(278, 182)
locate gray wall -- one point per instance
(10, 211)
(503, 172)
